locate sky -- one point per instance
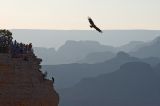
(72, 14)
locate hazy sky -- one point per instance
(72, 14)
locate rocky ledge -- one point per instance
(22, 83)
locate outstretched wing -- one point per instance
(90, 21)
(93, 25)
(99, 30)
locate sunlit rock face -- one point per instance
(23, 84)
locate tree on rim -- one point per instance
(5, 40)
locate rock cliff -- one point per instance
(21, 81)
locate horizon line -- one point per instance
(85, 29)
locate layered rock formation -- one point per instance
(23, 84)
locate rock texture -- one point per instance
(23, 84)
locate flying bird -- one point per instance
(92, 25)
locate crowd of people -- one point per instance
(16, 49)
(13, 47)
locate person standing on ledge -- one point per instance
(53, 80)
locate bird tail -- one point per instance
(91, 26)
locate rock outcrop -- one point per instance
(23, 84)
(21, 81)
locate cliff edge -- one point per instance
(21, 81)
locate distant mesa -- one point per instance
(134, 84)
(80, 71)
(21, 81)
(97, 57)
(150, 49)
(137, 66)
(157, 40)
(122, 55)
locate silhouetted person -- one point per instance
(92, 25)
(30, 46)
(53, 80)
